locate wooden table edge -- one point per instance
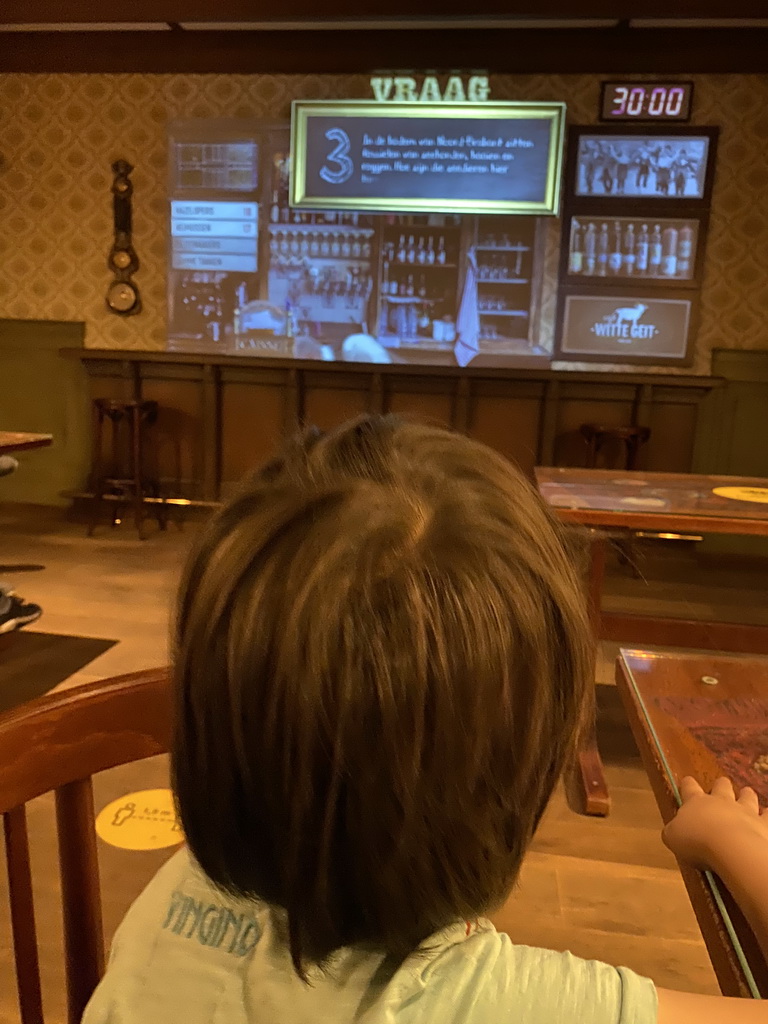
(729, 972)
(43, 441)
(659, 522)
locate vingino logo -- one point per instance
(623, 324)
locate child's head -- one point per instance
(382, 661)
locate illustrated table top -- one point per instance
(704, 715)
(656, 501)
(14, 441)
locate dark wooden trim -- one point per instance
(211, 431)
(345, 51)
(93, 357)
(188, 11)
(643, 630)
(548, 424)
(377, 399)
(461, 405)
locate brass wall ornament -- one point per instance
(123, 296)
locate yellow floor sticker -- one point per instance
(140, 821)
(758, 494)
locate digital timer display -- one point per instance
(646, 101)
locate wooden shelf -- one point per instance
(520, 313)
(503, 280)
(503, 248)
(331, 229)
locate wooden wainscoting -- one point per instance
(222, 415)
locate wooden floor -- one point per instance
(606, 889)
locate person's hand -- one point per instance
(711, 828)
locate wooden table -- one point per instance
(12, 441)
(662, 503)
(679, 503)
(686, 726)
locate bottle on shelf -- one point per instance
(274, 213)
(616, 258)
(422, 287)
(576, 257)
(629, 250)
(325, 245)
(669, 243)
(410, 289)
(441, 257)
(603, 250)
(385, 279)
(346, 246)
(590, 249)
(655, 254)
(421, 252)
(335, 245)
(642, 251)
(314, 244)
(356, 247)
(401, 250)
(366, 248)
(430, 259)
(411, 250)
(685, 251)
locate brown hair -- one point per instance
(382, 661)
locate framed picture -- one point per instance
(672, 165)
(620, 250)
(639, 327)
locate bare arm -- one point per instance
(727, 835)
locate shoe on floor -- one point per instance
(18, 614)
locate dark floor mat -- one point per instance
(31, 664)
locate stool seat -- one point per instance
(126, 476)
(596, 435)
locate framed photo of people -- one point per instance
(626, 165)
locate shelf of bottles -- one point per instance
(419, 281)
(320, 263)
(504, 255)
(632, 248)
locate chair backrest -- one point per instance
(56, 744)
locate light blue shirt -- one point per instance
(186, 954)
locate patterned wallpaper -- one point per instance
(60, 133)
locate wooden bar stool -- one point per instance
(125, 475)
(597, 436)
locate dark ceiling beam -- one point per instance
(96, 11)
(610, 51)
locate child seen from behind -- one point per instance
(382, 665)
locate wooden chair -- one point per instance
(632, 438)
(56, 744)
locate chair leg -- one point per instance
(137, 468)
(97, 471)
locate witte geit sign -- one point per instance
(608, 328)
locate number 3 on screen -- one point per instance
(339, 155)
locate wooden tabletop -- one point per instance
(11, 441)
(677, 502)
(705, 716)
